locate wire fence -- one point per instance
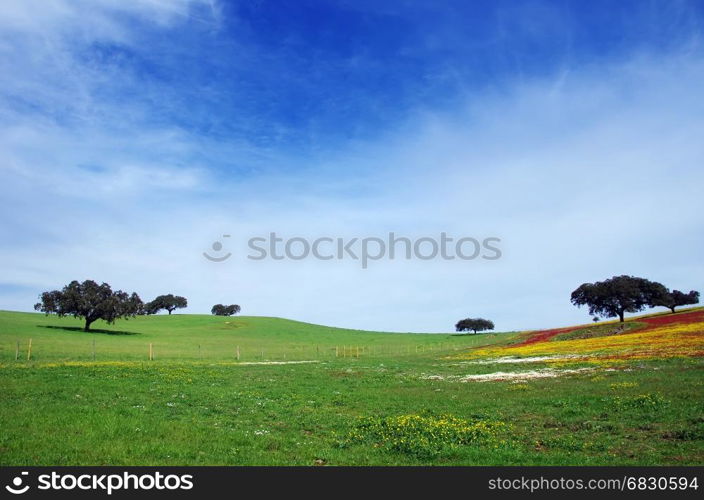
(33, 350)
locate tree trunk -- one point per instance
(169, 311)
(87, 326)
(673, 309)
(620, 316)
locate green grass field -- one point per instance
(384, 399)
(186, 337)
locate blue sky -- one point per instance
(134, 134)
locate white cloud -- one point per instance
(596, 175)
(50, 17)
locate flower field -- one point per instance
(426, 435)
(604, 394)
(653, 337)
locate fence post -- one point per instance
(29, 350)
(337, 351)
(151, 352)
(238, 353)
(17, 351)
(93, 349)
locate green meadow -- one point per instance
(186, 337)
(303, 394)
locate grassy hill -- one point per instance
(652, 336)
(581, 395)
(189, 337)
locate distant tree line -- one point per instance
(610, 298)
(90, 301)
(628, 294)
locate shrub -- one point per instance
(623, 385)
(426, 436)
(649, 401)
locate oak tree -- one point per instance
(90, 301)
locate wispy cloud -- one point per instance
(584, 171)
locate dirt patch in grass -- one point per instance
(600, 331)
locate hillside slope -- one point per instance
(651, 336)
(190, 337)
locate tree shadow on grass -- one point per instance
(78, 329)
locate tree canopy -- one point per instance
(474, 324)
(676, 298)
(618, 295)
(168, 302)
(223, 310)
(90, 301)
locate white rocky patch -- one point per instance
(274, 362)
(530, 359)
(508, 376)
